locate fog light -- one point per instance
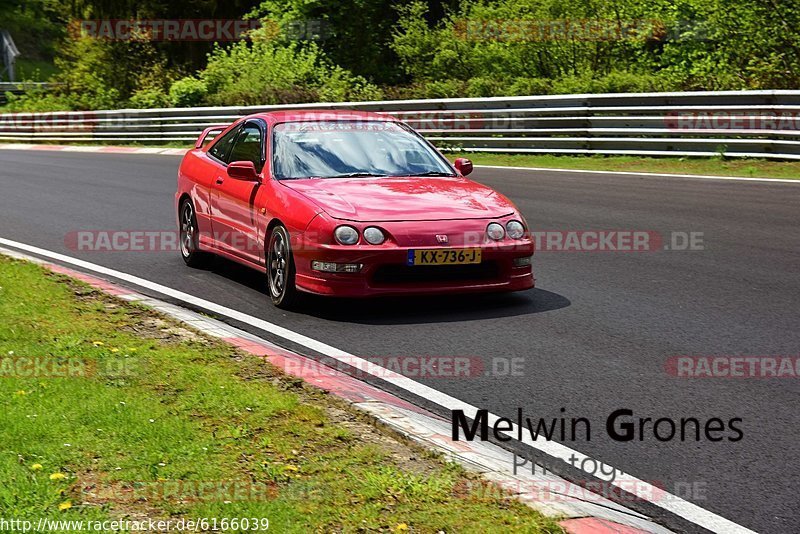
(330, 267)
(522, 262)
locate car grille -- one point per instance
(404, 274)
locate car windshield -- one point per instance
(345, 149)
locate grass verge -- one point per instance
(748, 168)
(154, 421)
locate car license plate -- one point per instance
(448, 256)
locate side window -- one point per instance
(248, 146)
(222, 147)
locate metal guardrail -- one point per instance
(18, 88)
(762, 124)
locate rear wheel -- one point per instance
(190, 237)
(280, 269)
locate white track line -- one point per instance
(671, 503)
(645, 174)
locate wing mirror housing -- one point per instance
(243, 170)
(463, 166)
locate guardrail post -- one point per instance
(10, 53)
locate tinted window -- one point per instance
(247, 146)
(336, 149)
(222, 147)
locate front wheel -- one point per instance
(280, 269)
(190, 237)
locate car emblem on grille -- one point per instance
(441, 238)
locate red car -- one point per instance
(348, 204)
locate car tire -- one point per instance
(189, 237)
(280, 269)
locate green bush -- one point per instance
(188, 92)
(149, 98)
(530, 86)
(485, 86)
(625, 82)
(459, 48)
(687, 45)
(36, 101)
(97, 74)
(443, 89)
(267, 72)
(89, 76)
(257, 73)
(340, 86)
(571, 85)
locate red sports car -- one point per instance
(349, 204)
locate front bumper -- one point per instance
(385, 271)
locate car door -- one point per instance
(203, 169)
(233, 209)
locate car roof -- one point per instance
(295, 115)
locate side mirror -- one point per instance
(463, 165)
(243, 170)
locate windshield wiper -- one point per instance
(358, 175)
(433, 173)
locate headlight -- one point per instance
(374, 236)
(495, 231)
(515, 229)
(346, 235)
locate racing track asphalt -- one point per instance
(594, 336)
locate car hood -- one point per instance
(403, 199)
